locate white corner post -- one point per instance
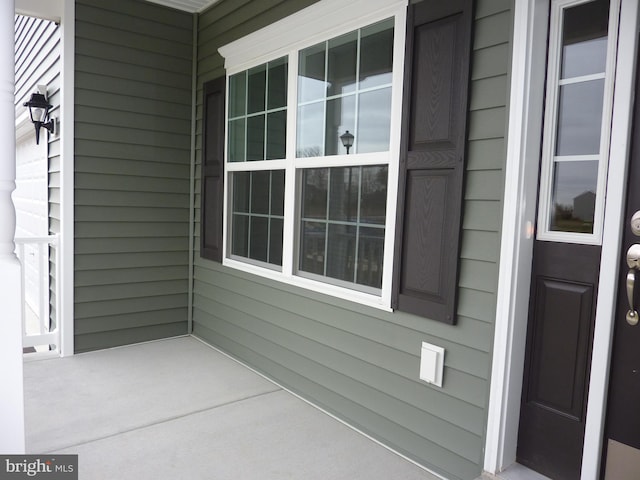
(67, 235)
(12, 437)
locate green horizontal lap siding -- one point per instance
(132, 148)
(37, 62)
(360, 363)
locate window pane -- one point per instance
(240, 235)
(310, 131)
(584, 58)
(357, 201)
(260, 183)
(311, 75)
(276, 135)
(275, 241)
(374, 121)
(255, 138)
(237, 94)
(312, 249)
(370, 257)
(343, 54)
(277, 192)
(255, 233)
(580, 118)
(343, 202)
(259, 238)
(241, 181)
(256, 89)
(314, 193)
(374, 195)
(341, 114)
(584, 39)
(277, 89)
(574, 198)
(236, 140)
(376, 54)
(341, 252)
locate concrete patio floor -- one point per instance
(179, 409)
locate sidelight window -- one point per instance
(578, 112)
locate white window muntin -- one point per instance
(549, 158)
(293, 165)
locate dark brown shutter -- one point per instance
(434, 133)
(212, 170)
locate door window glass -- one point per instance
(580, 118)
(574, 196)
(575, 143)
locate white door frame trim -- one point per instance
(518, 220)
(521, 174)
(622, 123)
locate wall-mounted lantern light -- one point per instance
(347, 140)
(39, 112)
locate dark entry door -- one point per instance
(561, 316)
(566, 256)
(621, 445)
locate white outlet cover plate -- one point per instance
(432, 364)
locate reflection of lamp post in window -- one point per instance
(347, 140)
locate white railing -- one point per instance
(34, 254)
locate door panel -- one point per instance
(560, 332)
(559, 345)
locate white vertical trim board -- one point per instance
(516, 251)
(66, 251)
(614, 222)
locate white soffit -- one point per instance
(191, 6)
(46, 9)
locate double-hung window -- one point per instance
(312, 148)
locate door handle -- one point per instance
(632, 315)
(633, 262)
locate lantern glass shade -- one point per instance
(38, 107)
(347, 140)
(39, 112)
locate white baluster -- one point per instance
(43, 276)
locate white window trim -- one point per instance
(550, 132)
(322, 21)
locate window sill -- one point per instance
(366, 299)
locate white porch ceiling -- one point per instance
(191, 6)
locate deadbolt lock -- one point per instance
(635, 224)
